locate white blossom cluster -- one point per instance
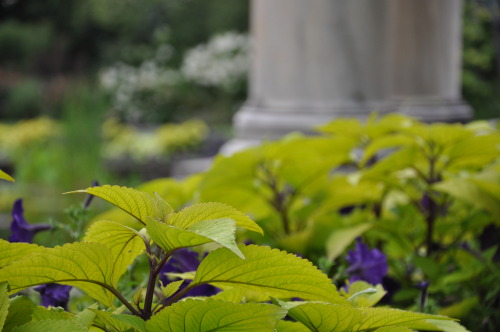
(126, 82)
(221, 62)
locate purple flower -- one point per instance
(54, 295)
(365, 264)
(20, 229)
(185, 260)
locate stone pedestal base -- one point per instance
(435, 110)
(254, 124)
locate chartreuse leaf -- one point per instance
(348, 127)
(86, 317)
(438, 325)
(358, 296)
(474, 192)
(110, 322)
(20, 312)
(460, 309)
(88, 266)
(50, 326)
(171, 288)
(288, 326)
(212, 315)
(475, 151)
(240, 295)
(42, 313)
(221, 231)
(178, 193)
(6, 176)
(4, 303)
(380, 317)
(138, 204)
(12, 252)
(123, 241)
(133, 321)
(340, 239)
(346, 318)
(211, 211)
(393, 329)
(385, 142)
(269, 271)
(324, 316)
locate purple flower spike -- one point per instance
(54, 295)
(185, 260)
(365, 264)
(21, 231)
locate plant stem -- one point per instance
(432, 210)
(153, 275)
(123, 300)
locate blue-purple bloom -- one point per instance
(54, 295)
(21, 231)
(186, 260)
(366, 264)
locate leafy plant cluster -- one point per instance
(249, 276)
(426, 195)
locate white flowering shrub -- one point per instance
(222, 62)
(128, 84)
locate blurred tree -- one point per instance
(480, 80)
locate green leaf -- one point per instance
(220, 231)
(20, 312)
(269, 271)
(380, 317)
(6, 176)
(460, 309)
(340, 239)
(50, 326)
(348, 127)
(138, 204)
(110, 322)
(334, 317)
(133, 321)
(439, 325)
(385, 142)
(171, 288)
(12, 252)
(123, 241)
(211, 211)
(474, 192)
(4, 303)
(359, 299)
(42, 313)
(178, 193)
(88, 266)
(352, 190)
(288, 326)
(474, 151)
(324, 316)
(212, 315)
(393, 329)
(240, 295)
(87, 316)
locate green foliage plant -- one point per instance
(96, 264)
(423, 193)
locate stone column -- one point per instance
(312, 61)
(425, 50)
